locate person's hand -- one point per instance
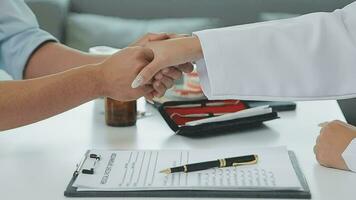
(164, 79)
(172, 52)
(117, 72)
(334, 137)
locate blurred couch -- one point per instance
(85, 23)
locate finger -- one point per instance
(142, 91)
(344, 124)
(159, 75)
(321, 160)
(150, 37)
(323, 128)
(314, 149)
(146, 74)
(159, 36)
(145, 89)
(167, 82)
(172, 73)
(323, 124)
(350, 126)
(174, 35)
(155, 94)
(159, 89)
(186, 68)
(149, 82)
(149, 97)
(317, 139)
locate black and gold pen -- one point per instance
(226, 162)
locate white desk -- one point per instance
(37, 161)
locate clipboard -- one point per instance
(300, 194)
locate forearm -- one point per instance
(190, 47)
(27, 101)
(180, 50)
(52, 58)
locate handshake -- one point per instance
(148, 67)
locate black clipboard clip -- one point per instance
(90, 170)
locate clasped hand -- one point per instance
(119, 70)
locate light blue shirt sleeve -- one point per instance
(20, 36)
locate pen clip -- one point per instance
(246, 163)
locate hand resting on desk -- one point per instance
(334, 138)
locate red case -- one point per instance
(176, 120)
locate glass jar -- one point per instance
(119, 113)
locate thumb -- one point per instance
(146, 74)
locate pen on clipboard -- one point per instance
(221, 163)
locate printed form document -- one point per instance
(140, 170)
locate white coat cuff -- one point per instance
(203, 77)
(207, 66)
(349, 155)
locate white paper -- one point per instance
(139, 170)
(260, 110)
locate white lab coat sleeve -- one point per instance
(304, 58)
(349, 155)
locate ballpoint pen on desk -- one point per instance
(226, 162)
